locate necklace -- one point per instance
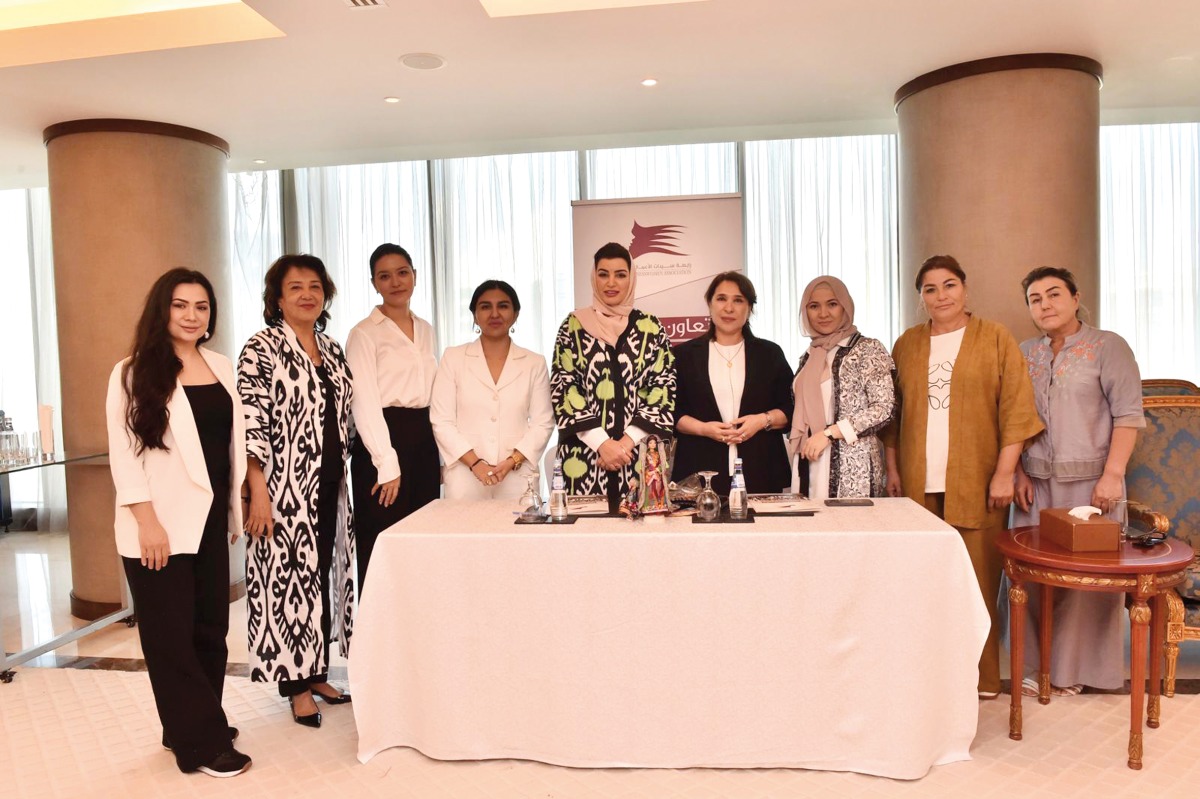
(729, 361)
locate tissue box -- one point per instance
(1097, 534)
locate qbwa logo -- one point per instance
(661, 239)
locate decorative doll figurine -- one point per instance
(631, 503)
(653, 465)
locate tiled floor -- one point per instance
(71, 732)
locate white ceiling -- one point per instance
(727, 69)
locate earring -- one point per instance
(477, 329)
(206, 336)
(512, 330)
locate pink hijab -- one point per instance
(608, 322)
(808, 417)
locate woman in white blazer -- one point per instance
(490, 407)
(177, 450)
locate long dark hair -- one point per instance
(150, 374)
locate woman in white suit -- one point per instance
(490, 407)
(177, 450)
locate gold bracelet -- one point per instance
(517, 459)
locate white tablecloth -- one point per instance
(846, 641)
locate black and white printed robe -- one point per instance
(284, 405)
(595, 385)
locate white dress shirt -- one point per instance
(390, 371)
(471, 411)
(727, 376)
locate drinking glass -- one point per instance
(708, 504)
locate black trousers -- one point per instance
(420, 480)
(183, 617)
(327, 517)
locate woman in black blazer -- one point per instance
(733, 397)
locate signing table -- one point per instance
(846, 641)
(1144, 573)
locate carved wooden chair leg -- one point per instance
(1175, 625)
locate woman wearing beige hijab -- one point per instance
(844, 397)
(612, 381)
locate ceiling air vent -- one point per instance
(365, 3)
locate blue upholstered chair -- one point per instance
(1161, 481)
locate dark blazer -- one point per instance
(768, 386)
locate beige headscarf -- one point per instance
(608, 322)
(809, 414)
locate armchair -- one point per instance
(1170, 388)
(1161, 482)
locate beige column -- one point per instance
(128, 200)
(999, 167)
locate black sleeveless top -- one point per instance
(213, 410)
(332, 465)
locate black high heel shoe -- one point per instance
(341, 699)
(311, 720)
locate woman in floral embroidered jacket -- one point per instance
(1089, 395)
(612, 381)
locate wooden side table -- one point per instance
(1145, 573)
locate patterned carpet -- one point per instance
(92, 733)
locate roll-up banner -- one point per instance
(677, 245)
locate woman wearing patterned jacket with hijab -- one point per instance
(844, 397)
(612, 381)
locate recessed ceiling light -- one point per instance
(649, 82)
(259, 161)
(422, 61)
(391, 99)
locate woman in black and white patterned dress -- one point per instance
(296, 389)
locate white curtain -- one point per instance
(509, 218)
(821, 207)
(1150, 244)
(29, 330)
(664, 171)
(345, 212)
(256, 239)
(52, 500)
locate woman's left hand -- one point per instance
(387, 492)
(1001, 490)
(502, 468)
(1108, 488)
(747, 427)
(814, 446)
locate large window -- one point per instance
(822, 207)
(1150, 244)
(509, 218)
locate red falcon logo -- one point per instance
(655, 238)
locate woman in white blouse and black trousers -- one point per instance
(394, 458)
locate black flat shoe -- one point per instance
(227, 764)
(233, 734)
(341, 699)
(311, 720)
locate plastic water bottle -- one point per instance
(738, 502)
(558, 494)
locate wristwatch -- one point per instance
(827, 434)
(517, 459)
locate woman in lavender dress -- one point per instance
(1089, 395)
